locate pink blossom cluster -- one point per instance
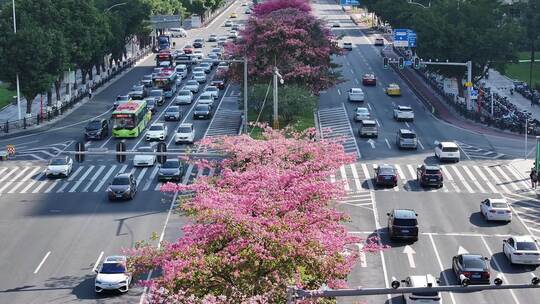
(266, 222)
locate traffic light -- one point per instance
(385, 62)
(416, 62)
(79, 147)
(401, 63)
(121, 147)
(162, 147)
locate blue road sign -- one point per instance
(411, 38)
(349, 2)
(408, 63)
(404, 38)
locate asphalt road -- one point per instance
(449, 217)
(55, 232)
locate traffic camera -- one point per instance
(464, 280)
(395, 283)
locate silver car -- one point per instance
(361, 113)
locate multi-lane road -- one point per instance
(55, 232)
(449, 217)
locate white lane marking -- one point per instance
(97, 262)
(40, 175)
(485, 179)
(497, 180)
(42, 261)
(407, 124)
(339, 91)
(81, 179)
(104, 179)
(400, 173)
(187, 174)
(465, 153)
(141, 175)
(387, 143)
(378, 124)
(506, 177)
(151, 179)
(24, 180)
(106, 142)
(368, 178)
(332, 178)
(473, 178)
(378, 227)
(529, 229)
(93, 178)
(74, 174)
(420, 143)
(344, 178)
(357, 182)
(441, 266)
(13, 179)
(200, 172)
(361, 255)
(369, 106)
(505, 280)
(15, 169)
(52, 185)
(518, 179)
(460, 178)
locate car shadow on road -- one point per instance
(500, 259)
(386, 241)
(431, 160)
(479, 220)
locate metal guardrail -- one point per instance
(80, 94)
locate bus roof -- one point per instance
(131, 106)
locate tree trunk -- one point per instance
(29, 105)
(49, 98)
(83, 76)
(57, 84)
(90, 74)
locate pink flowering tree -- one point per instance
(294, 40)
(264, 223)
(267, 7)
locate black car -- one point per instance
(151, 104)
(403, 224)
(172, 113)
(198, 43)
(429, 175)
(202, 111)
(96, 129)
(172, 169)
(147, 81)
(473, 266)
(123, 186)
(385, 175)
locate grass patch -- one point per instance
(520, 71)
(305, 121)
(6, 95)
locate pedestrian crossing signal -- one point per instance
(385, 62)
(401, 63)
(120, 147)
(162, 147)
(79, 147)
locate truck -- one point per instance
(164, 42)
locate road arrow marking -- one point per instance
(410, 255)
(371, 143)
(462, 250)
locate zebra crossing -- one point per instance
(473, 152)
(30, 178)
(488, 178)
(334, 122)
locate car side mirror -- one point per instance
(388, 213)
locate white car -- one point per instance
(362, 113)
(59, 166)
(403, 113)
(184, 134)
(206, 98)
(184, 97)
(447, 150)
(181, 69)
(143, 159)
(424, 297)
(198, 53)
(157, 131)
(192, 85)
(496, 209)
(228, 23)
(199, 76)
(113, 275)
(177, 32)
(212, 90)
(223, 66)
(356, 94)
(522, 250)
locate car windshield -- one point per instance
(405, 109)
(198, 74)
(58, 161)
(474, 262)
(432, 171)
(93, 125)
(405, 222)
(147, 77)
(408, 135)
(211, 89)
(526, 246)
(172, 110)
(450, 149)
(205, 96)
(156, 128)
(122, 98)
(184, 93)
(120, 180)
(499, 205)
(171, 164)
(155, 93)
(184, 130)
(362, 111)
(201, 108)
(192, 82)
(113, 268)
(145, 149)
(386, 171)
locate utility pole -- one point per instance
(245, 95)
(17, 75)
(276, 117)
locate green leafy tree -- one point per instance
(531, 24)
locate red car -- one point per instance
(188, 49)
(369, 79)
(218, 83)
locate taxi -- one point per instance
(393, 90)
(233, 15)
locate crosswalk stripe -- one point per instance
(410, 168)
(212, 171)
(357, 181)
(344, 178)
(450, 178)
(93, 178)
(368, 178)
(81, 179)
(104, 179)
(497, 180)
(152, 178)
(74, 174)
(141, 175)
(187, 174)
(40, 185)
(460, 177)
(53, 185)
(2, 170)
(485, 179)
(23, 180)
(15, 169)
(501, 172)
(14, 179)
(518, 179)
(473, 179)
(30, 184)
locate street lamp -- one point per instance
(276, 117)
(110, 8)
(17, 75)
(420, 4)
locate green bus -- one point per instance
(130, 118)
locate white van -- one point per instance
(181, 69)
(425, 297)
(177, 32)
